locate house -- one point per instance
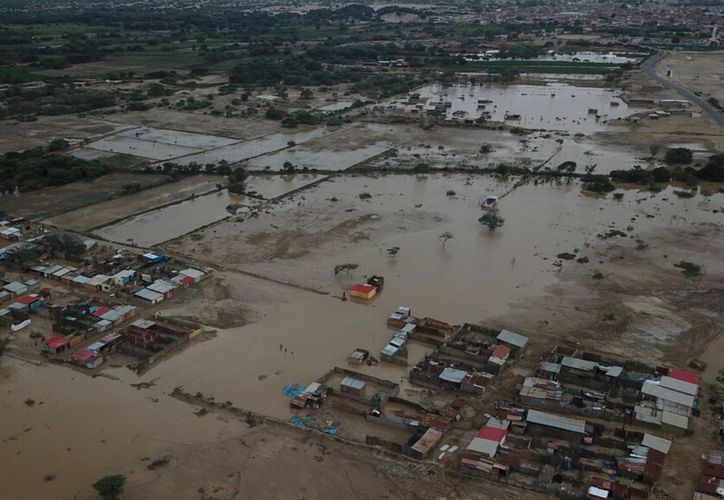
(163, 287)
(55, 345)
(498, 356)
(88, 359)
(363, 291)
(141, 332)
(453, 376)
(420, 445)
(15, 288)
(99, 282)
(667, 399)
(515, 341)
(149, 296)
(487, 441)
(353, 386)
(194, 274)
(557, 425)
(11, 233)
(123, 278)
(152, 258)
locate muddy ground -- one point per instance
(56, 200)
(101, 214)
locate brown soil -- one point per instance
(57, 200)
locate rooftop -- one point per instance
(512, 338)
(556, 421)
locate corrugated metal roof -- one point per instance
(556, 421)
(578, 364)
(194, 273)
(150, 295)
(656, 443)
(143, 323)
(428, 441)
(452, 375)
(512, 338)
(652, 388)
(679, 385)
(550, 367)
(389, 350)
(484, 446)
(353, 383)
(161, 286)
(15, 287)
(680, 421)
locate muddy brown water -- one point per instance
(88, 427)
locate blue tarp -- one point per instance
(302, 422)
(292, 390)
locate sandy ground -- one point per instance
(695, 131)
(86, 218)
(700, 71)
(56, 200)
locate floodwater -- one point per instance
(584, 57)
(478, 275)
(325, 159)
(82, 428)
(553, 106)
(244, 150)
(274, 186)
(157, 226)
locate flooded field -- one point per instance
(158, 144)
(152, 228)
(87, 218)
(554, 106)
(273, 186)
(326, 159)
(301, 240)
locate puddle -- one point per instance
(336, 106)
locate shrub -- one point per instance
(678, 155)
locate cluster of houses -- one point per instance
(469, 359)
(588, 384)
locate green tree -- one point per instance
(492, 220)
(110, 487)
(306, 94)
(58, 145)
(678, 155)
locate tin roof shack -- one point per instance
(541, 393)
(123, 278)
(161, 337)
(55, 345)
(711, 479)
(196, 275)
(363, 291)
(15, 288)
(313, 396)
(517, 342)
(587, 373)
(88, 359)
(146, 295)
(398, 318)
(548, 424)
(647, 460)
(163, 287)
(141, 332)
(352, 386)
(421, 444)
(360, 387)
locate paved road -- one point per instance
(648, 68)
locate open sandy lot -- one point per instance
(700, 71)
